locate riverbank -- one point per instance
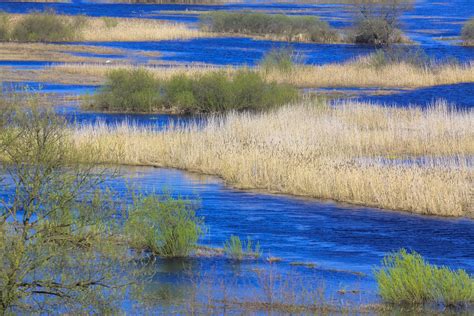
(318, 151)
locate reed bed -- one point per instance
(314, 150)
(124, 29)
(351, 74)
(137, 30)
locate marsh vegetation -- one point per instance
(137, 90)
(279, 152)
(467, 33)
(273, 26)
(52, 27)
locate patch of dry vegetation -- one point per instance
(351, 74)
(316, 151)
(122, 29)
(53, 52)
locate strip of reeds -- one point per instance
(125, 29)
(351, 74)
(316, 150)
(118, 29)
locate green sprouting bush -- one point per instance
(406, 278)
(128, 90)
(238, 250)
(163, 225)
(467, 33)
(4, 27)
(138, 91)
(47, 27)
(216, 92)
(292, 28)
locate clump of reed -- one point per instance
(237, 249)
(467, 33)
(137, 90)
(275, 26)
(313, 149)
(130, 29)
(406, 278)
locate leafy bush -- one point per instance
(163, 225)
(216, 92)
(237, 250)
(138, 91)
(467, 32)
(405, 278)
(134, 90)
(292, 28)
(47, 27)
(4, 27)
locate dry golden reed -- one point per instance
(346, 153)
(127, 29)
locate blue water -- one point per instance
(332, 235)
(458, 95)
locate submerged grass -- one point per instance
(315, 150)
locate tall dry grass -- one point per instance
(128, 29)
(317, 151)
(352, 74)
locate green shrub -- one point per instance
(237, 250)
(467, 33)
(405, 278)
(4, 27)
(292, 28)
(134, 90)
(163, 225)
(47, 27)
(137, 91)
(216, 92)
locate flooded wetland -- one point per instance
(237, 157)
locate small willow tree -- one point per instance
(55, 222)
(377, 22)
